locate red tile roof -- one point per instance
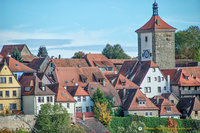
(36, 63)
(153, 25)
(193, 71)
(128, 84)
(119, 61)
(62, 95)
(8, 49)
(132, 103)
(77, 91)
(170, 72)
(27, 58)
(33, 83)
(163, 104)
(17, 66)
(70, 62)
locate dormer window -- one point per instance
(43, 88)
(27, 88)
(142, 102)
(102, 69)
(110, 69)
(186, 77)
(124, 84)
(83, 78)
(168, 109)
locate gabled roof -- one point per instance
(166, 95)
(132, 103)
(70, 62)
(128, 84)
(17, 66)
(33, 83)
(155, 23)
(136, 70)
(163, 104)
(36, 63)
(193, 71)
(107, 89)
(69, 76)
(189, 103)
(8, 49)
(170, 72)
(119, 61)
(27, 58)
(76, 91)
(62, 95)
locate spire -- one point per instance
(155, 9)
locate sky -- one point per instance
(68, 26)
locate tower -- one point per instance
(156, 41)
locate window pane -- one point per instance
(10, 79)
(14, 93)
(1, 93)
(7, 93)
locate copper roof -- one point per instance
(155, 23)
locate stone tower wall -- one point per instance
(164, 49)
(139, 47)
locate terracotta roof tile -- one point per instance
(152, 25)
(70, 62)
(27, 58)
(36, 63)
(62, 95)
(77, 91)
(128, 84)
(132, 103)
(8, 49)
(119, 61)
(17, 66)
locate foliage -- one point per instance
(52, 118)
(154, 123)
(42, 52)
(16, 55)
(187, 43)
(79, 55)
(6, 130)
(119, 112)
(75, 129)
(134, 127)
(115, 52)
(103, 113)
(172, 125)
(163, 129)
(98, 97)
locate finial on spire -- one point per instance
(155, 9)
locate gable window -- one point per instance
(87, 109)
(123, 83)
(78, 109)
(168, 109)
(159, 89)
(162, 78)
(146, 39)
(148, 79)
(159, 79)
(165, 88)
(1, 93)
(10, 80)
(1, 106)
(110, 69)
(51, 64)
(142, 103)
(12, 106)
(68, 105)
(2, 80)
(7, 94)
(154, 69)
(196, 113)
(172, 101)
(147, 89)
(14, 93)
(15, 76)
(84, 98)
(79, 98)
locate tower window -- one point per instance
(157, 22)
(146, 38)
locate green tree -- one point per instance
(187, 43)
(42, 52)
(115, 52)
(16, 55)
(52, 119)
(79, 55)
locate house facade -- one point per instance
(10, 90)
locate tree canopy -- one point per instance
(115, 52)
(16, 55)
(42, 52)
(52, 119)
(78, 55)
(187, 43)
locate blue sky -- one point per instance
(68, 26)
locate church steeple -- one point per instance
(155, 9)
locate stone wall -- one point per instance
(17, 121)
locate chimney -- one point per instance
(168, 83)
(123, 97)
(59, 56)
(157, 100)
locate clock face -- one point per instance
(146, 53)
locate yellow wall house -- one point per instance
(10, 90)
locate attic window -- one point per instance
(186, 77)
(110, 69)
(168, 109)
(27, 88)
(142, 102)
(43, 88)
(157, 21)
(123, 83)
(92, 88)
(16, 64)
(66, 81)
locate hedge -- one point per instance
(184, 125)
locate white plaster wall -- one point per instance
(84, 104)
(38, 105)
(146, 45)
(170, 116)
(154, 84)
(28, 105)
(71, 109)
